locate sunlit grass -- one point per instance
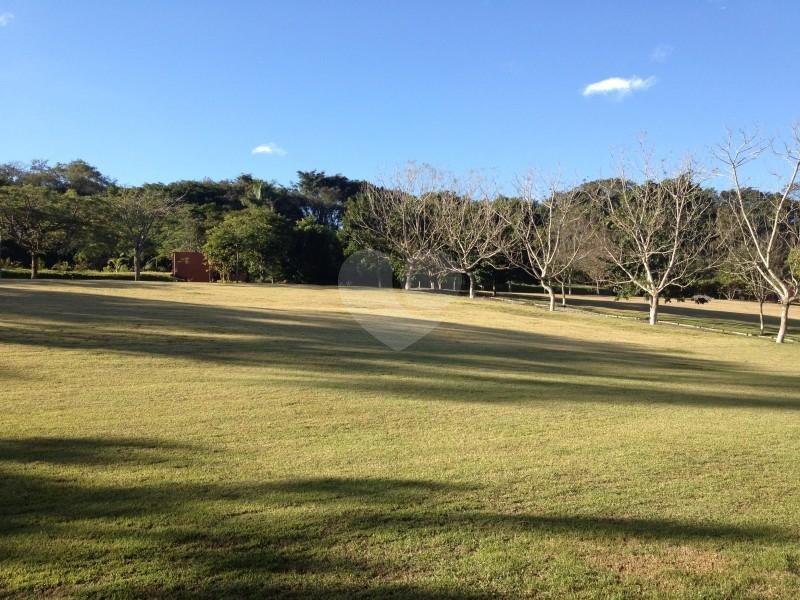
(206, 440)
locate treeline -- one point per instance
(72, 217)
(645, 232)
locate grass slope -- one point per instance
(184, 440)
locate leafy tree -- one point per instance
(82, 178)
(137, 214)
(325, 197)
(316, 253)
(254, 240)
(36, 218)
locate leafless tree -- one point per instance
(470, 230)
(766, 226)
(544, 228)
(656, 232)
(397, 217)
(738, 270)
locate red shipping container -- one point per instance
(190, 266)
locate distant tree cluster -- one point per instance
(72, 217)
(646, 231)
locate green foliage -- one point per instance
(793, 262)
(252, 241)
(316, 252)
(35, 218)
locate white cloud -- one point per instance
(661, 53)
(618, 86)
(271, 148)
(5, 18)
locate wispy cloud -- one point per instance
(271, 148)
(5, 18)
(618, 86)
(661, 53)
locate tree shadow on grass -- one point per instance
(327, 537)
(674, 309)
(455, 362)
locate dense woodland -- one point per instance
(645, 232)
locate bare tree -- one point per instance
(656, 232)
(470, 230)
(767, 226)
(397, 217)
(737, 270)
(542, 227)
(136, 213)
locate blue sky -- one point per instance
(158, 91)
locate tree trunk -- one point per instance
(654, 309)
(408, 280)
(550, 294)
(563, 296)
(34, 265)
(137, 267)
(471, 278)
(761, 316)
(597, 287)
(784, 322)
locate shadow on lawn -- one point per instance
(455, 362)
(674, 308)
(332, 537)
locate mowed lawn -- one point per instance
(730, 316)
(197, 440)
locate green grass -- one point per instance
(185, 440)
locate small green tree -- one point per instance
(254, 240)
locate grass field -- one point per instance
(185, 440)
(731, 316)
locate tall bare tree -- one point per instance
(137, 213)
(470, 230)
(544, 239)
(656, 233)
(766, 226)
(397, 217)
